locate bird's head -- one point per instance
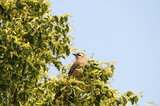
(79, 55)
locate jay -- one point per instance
(80, 60)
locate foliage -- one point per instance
(91, 87)
(32, 39)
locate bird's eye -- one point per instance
(79, 54)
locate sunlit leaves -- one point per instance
(31, 39)
(91, 86)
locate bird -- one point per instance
(80, 60)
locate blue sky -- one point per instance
(125, 31)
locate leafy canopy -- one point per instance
(32, 39)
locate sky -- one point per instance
(125, 31)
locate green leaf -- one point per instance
(61, 20)
(56, 19)
(65, 18)
(129, 93)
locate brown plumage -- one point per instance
(80, 60)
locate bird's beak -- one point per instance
(74, 54)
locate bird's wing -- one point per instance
(74, 66)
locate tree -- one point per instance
(32, 39)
